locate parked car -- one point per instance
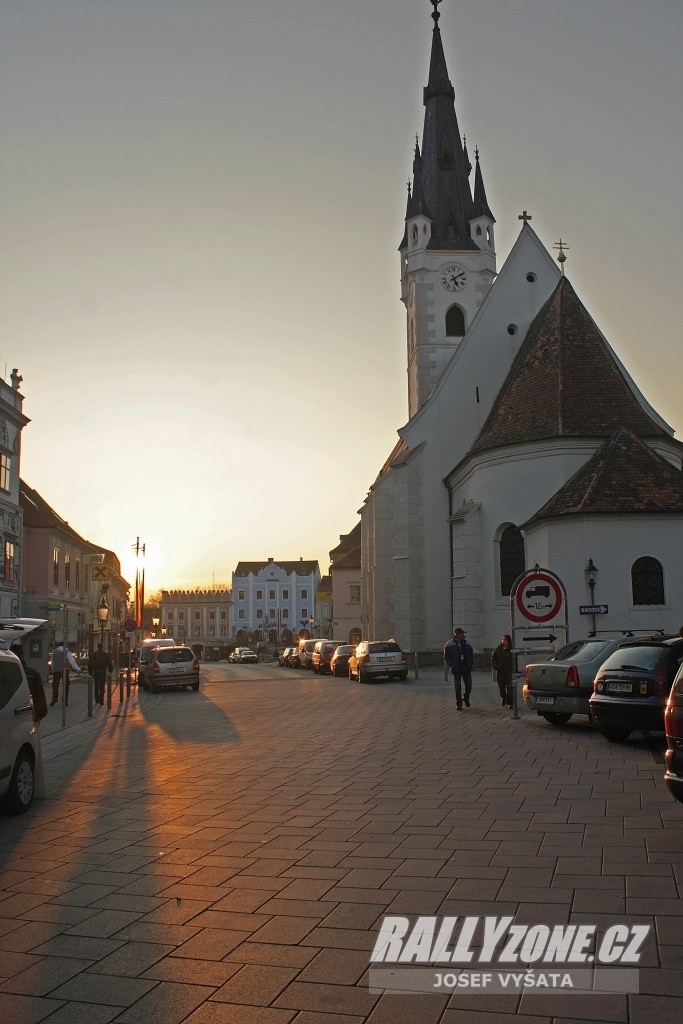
(374, 658)
(673, 725)
(631, 688)
(146, 647)
(293, 659)
(339, 662)
(169, 667)
(19, 738)
(306, 652)
(562, 686)
(243, 654)
(322, 653)
(283, 656)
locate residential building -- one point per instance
(199, 618)
(275, 600)
(65, 578)
(345, 569)
(12, 422)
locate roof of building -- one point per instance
(346, 555)
(624, 477)
(302, 567)
(564, 382)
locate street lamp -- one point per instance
(155, 626)
(591, 573)
(102, 614)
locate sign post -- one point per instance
(538, 609)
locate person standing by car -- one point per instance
(459, 657)
(62, 662)
(35, 684)
(501, 662)
(99, 664)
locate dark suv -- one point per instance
(632, 686)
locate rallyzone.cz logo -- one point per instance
(496, 941)
(435, 941)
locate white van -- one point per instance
(143, 655)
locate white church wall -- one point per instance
(450, 421)
(614, 544)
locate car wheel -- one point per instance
(19, 796)
(351, 676)
(362, 676)
(614, 734)
(403, 676)
(557, 717)
(152, 686)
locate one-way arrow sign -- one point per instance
(593, 609)
(530, 639)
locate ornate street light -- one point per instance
(102, 614)
(591, 573)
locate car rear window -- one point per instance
(184, 655)
(384, 647)
(582, 652)
(636, 657)
(165, 657)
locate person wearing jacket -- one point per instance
(501, 662)
(459, 657)
(62, 662)
(99, 664)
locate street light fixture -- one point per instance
(102, 614)
(591, 573)
(155, 626)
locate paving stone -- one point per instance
(327, 998)
(42, 977)
(336, 967)
(256, 984)
(272, 953)
(222, 1013)
(106, 989)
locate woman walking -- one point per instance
(501, 662)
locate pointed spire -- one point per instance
(439, 84)
(416, 202)
(481, 206)
(467, 157)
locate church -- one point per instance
(528, 444)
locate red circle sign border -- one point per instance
(547, 578)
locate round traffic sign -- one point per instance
(130, 625)
(539, 596)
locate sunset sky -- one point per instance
(200, 208)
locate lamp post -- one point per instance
(102, 614)
(155, 626)
(591, 573)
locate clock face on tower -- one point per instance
(453, 277)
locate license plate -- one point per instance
(545, 700)
(388, 657)
(620, 687)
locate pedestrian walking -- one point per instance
(35, 684)
(459, 657)
(63, 662)
(501, 662)
(99, 664)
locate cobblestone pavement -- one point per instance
(227, 856)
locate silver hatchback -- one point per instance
(374, 658)
(171, 667)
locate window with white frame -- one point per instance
(354, 593)
(8, 568)
(5, 473)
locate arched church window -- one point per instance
(446, 161)
(415, 233)
(478, 231)
(455, 322)
(512, 560)
(647, 581)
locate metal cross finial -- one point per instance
(409, 191)
(526, 217)
(561, 258)
(476, 152)
(435, 15)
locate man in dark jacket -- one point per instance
(459, 657)
(98, 666)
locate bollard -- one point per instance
(128, 683)
(120, 687)
(90, 695)
(514, 696)
(416, 660)
(108, 691)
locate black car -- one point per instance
(632, 686)
(673, 725)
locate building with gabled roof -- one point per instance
(528, 442)
(274, 600)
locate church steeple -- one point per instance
(445, 164)
(448, 258)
